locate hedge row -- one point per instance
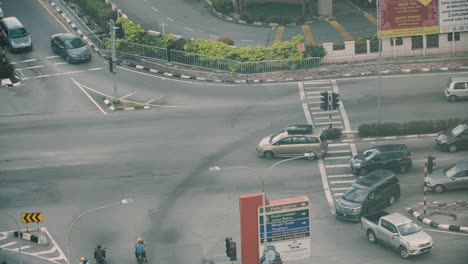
(99, 11)
(408, 128)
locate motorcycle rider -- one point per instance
(100, 255)
(83, 260)
(140, 248)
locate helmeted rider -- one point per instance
(100, 255)
(140, 248)
(83, 260)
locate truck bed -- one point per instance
(374, 217)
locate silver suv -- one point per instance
(285, 144)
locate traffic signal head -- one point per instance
(233, 254)
(324, 100)
(430, 164)
(335, 100)
(228, 246)
(119, 31)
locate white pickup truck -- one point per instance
(398, 232)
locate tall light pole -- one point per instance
(265, 237)
(379, 66)
(113, 58)
(19, 235)
(121, 202)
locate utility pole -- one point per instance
(113, 58)
(379, 66)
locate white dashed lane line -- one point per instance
(336, 166)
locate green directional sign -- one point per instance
(288, 216)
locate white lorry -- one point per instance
(398, 232)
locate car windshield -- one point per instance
(18, 33)
(74, 43)
(459, 129)
(356, 195)
(369, 154)
(275, 138)
(409, 228)
(451, 171)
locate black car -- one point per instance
(394, 157)
(70, 47)
(368, 194)
(454, 138)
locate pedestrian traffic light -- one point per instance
(119, 31)
(324, 100)
(335, 100)
(430, 164)
(228, 246)
(233, 252)
(111, 65)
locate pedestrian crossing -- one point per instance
(335, 170)
(51, 252)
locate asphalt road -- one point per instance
(61, 156)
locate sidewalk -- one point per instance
(450, 216)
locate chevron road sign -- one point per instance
(31, 217)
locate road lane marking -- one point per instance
(152, 100)
(326, 117)
(340, 176)
(447, 232)
(279, 34)
(353, 149)
(342, 109)
(52, 57)
(313, 92)
(340, 188)
(308, 35)
(304, 105)
(326, 187)
(338, 151)
(89, 96)
(336, 166)
(371, 18)
(127, 95)
(189, 29)
(337, 144)
(335, 158)
(61, 73)
(53, 16)
(24, 61)
(338, 194)
(154, 9)
(53, 249)
(342, 182)
(55, 244)
(22, 248)
(340, 29)
(326, 123)
(8, 244)
(324, 112)
(60, 63)
(170, 19)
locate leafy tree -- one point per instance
(133, 32)
(223, 6)
(226, 40)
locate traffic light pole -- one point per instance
(425, 184)
(113, 58)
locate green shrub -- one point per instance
(98, 11)
(333, 133)
(407, 128)
(226, 40)
(223, 6)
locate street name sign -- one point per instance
(287, 228)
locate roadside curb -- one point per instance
(429, 222)
(36, 236)
(113, 108)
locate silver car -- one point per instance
(71, 47)
(284, 144)
(453, 177)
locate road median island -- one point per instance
(123, 105)
(443, 215)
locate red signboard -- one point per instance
(399, 18)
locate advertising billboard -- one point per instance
(453, 15)
(400, 18)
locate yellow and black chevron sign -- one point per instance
(31, 217)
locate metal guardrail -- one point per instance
(137, 50)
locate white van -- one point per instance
(16, 35)
(457, 89)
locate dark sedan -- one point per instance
(70, 47)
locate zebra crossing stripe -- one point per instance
(340, 176)
(8, 244)
(336, 166)
(340, 188)
(341, 182)
(336, 158)
(338, 194)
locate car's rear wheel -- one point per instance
(371, 236)
(268, 155)
(452, 148)
(439, 188)
(403, 252)
(452, 98)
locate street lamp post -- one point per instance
(121, 202)
(265, 237)
(19, 235)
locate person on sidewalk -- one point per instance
(100, 255)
